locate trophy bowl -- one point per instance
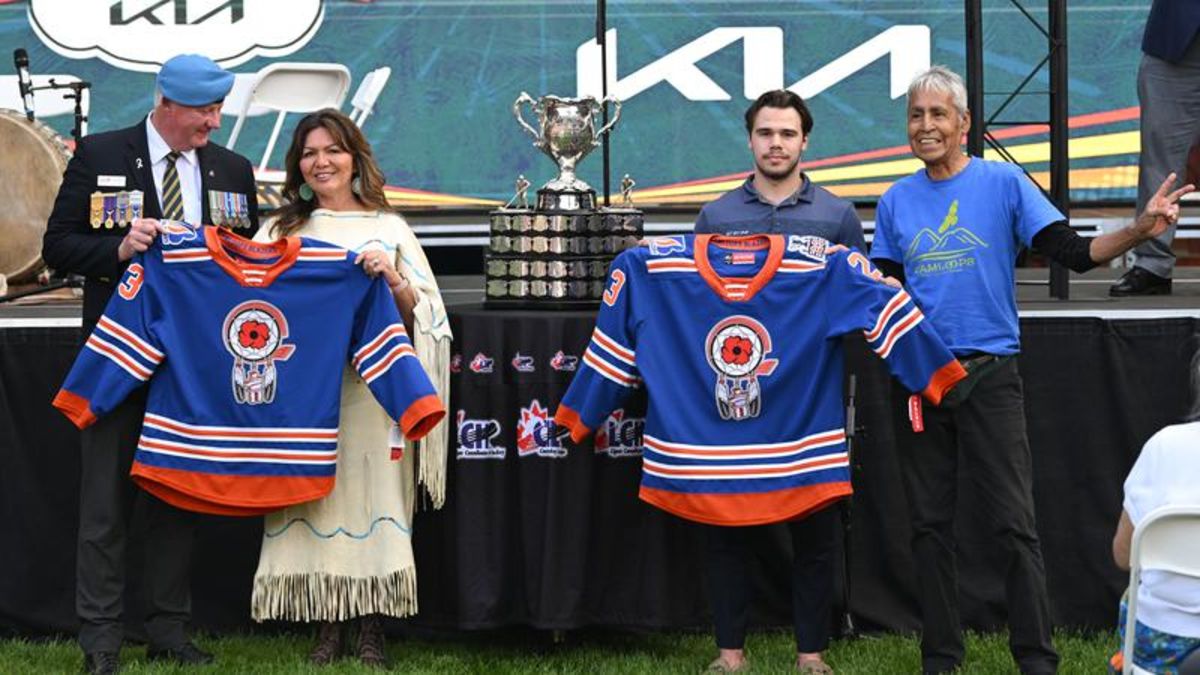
(566, 132)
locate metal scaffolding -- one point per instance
(983, 120)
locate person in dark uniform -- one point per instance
(181, 176)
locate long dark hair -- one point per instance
(296, 211)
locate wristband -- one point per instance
(404, 283)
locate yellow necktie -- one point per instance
(172, 195)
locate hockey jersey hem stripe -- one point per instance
(568, 418)
(172, 486)
(744, 471)
(202, 432)
(943, 380)
(114, 354)
(219, 454)
(421, 417)
(78, 409)
(739, 509)
(746, 451)
(119, 332)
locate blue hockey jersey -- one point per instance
(738, 343)
(243, 345)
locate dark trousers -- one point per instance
(107, 499)
(986, 434)
(812, 580)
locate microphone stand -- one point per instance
(846, 507)
(76, 94)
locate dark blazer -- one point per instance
(1170, 28)
(71, 244)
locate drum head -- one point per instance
(32, 161)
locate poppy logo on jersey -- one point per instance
(254, 334)
(737, 349)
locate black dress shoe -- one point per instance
(101, 663)
(187, 654)
(1138, 281)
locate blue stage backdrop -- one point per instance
(685, 70)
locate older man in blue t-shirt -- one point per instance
(952, 232)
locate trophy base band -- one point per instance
(566, 200)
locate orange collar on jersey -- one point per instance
(738, 289)
(282, 254)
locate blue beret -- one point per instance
(192, 79)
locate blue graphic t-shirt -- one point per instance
(958, 240)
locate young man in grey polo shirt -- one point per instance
(778, 197)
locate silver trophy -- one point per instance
(566, 133)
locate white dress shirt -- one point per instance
(188, 168)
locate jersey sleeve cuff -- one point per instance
(569, 419)
(421, 417)
(943, 380)
(77, 408)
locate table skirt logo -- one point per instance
(482, 363)
(564, 362)
(477, 438)
(141, 34)
(620, 436)
(537, 434)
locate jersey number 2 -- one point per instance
(133, 282)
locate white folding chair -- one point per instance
(362, 104)
(287, 88)
(1169, 540)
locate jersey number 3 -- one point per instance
(133, 282)
(614, 289)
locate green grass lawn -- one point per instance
(580, 652)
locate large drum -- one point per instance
(32, 161)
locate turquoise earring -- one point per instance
(306, 192)
(356, 186)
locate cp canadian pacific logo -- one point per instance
(737, 350)
(620, 435)
(537, 434)
(141, 34)
(254, 332)
(477, 438)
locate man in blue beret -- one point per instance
(182, 176)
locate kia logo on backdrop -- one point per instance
(142, 34)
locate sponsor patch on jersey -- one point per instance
(482, 363)
(813, 247)
(563, 362)
(537, 434)
(477, 438)
(620, 435)
(176, 232)
(523, 363)
(666, 245)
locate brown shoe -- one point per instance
(370, 642)
(329, 644)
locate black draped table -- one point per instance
(548, 535)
